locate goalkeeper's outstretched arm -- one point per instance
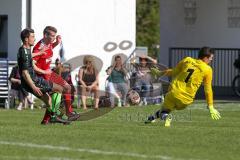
(158, 73)
(215, 115)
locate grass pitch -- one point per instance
(121, 134)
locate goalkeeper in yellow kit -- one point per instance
(187, 77)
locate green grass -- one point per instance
(121, 134)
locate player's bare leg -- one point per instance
(51, 116)
(68, 103)
(61, 86)
(47, 100)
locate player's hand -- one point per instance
(37, 91)
(58, 39)
(156, 72)
(214, 113)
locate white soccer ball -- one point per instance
(134, 97)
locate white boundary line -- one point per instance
(93, 151)
(35, 158)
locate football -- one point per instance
(134, 97)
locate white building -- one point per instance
(85, 26)
(197, 23)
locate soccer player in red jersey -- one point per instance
(42, 58)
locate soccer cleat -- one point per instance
(45, 122)
(57, 119)
(46, 118)
(168, 121)
(151, 119)
(73, 116)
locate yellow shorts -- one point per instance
(172, 103)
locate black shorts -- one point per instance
(44, 85)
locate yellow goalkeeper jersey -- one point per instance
(188, 76)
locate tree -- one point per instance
(148, 25)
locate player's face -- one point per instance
(31, 39)
(209, 59)
(50, 37)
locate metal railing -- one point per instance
(4, 88)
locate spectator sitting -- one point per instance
(17, 90)
(143, 82)
(89, 80)
(116, 82)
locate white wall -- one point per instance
(211, 28)
(13, 9)
(86, 25)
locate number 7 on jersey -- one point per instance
(190, 72)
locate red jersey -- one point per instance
(43, 61)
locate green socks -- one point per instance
(56, 100)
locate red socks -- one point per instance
(68, 103)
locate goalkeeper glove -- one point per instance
(214, 113)
(156, 72)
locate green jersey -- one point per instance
(24, 59)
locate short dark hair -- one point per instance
(116, 57)
(47, 30)
(57, 61)
(142, 58)
(26, 33)
(205, 52)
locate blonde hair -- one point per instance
(87, 59)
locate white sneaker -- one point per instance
(19, 108)
(119, 103)
(31, 107)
